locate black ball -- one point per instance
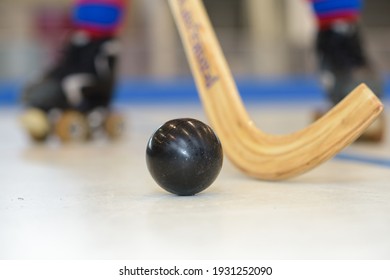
(184, 156)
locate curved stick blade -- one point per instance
(261, 155)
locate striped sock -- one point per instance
(330, 11)
(99, 18)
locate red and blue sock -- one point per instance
(98, 18)
(330, 11)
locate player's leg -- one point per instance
(342, 57)
(88, 59)
(84, 78)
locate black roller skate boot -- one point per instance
(343, 66)
(73, 99)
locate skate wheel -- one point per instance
(36, 123)
(72, 127)
(114, 125)
(317, 115)
(375, 133)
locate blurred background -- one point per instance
(267, 41)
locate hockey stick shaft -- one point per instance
(264, 156)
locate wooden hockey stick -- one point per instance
(261, 155)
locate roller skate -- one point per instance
(343, 66)
(72, 100)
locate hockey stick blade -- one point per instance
(258, 154)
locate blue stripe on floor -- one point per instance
(9, 92)
(179, 90)
(382, 162)
(282, 89)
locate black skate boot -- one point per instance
(344, 65)
(80, 87)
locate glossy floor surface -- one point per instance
(98, 201)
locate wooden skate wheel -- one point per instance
(72, 127)
(37, 124)
(114, 125)
(375, 133)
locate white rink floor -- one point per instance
(97, 200)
